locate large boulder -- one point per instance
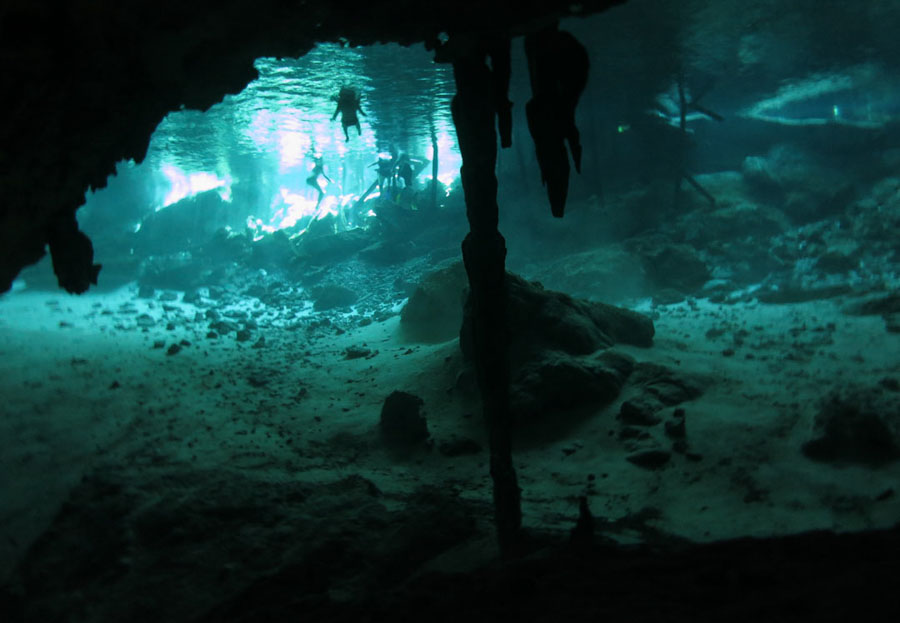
(320, 245)
(434, 312)
(806, 186)
(677, 266)
(561, 381)
(541, 320)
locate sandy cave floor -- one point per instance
(83, 386)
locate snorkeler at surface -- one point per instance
(348, 105)
(313, 179)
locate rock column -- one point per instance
(474, 110)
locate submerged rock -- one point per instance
(560, 381)
(650, 458)
(881, 305)
(859, 426)
(609, 273)
(541, 320)
(402, 423)
(639, 413)
(666, 385)
(332, 296)
(434, 312)
(677, 266)
(320, 245)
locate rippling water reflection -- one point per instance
(258, 143)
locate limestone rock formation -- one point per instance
(434, 311)
(541, 320)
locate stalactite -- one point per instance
(484, 254)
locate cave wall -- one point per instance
(88, 81)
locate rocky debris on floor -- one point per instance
(858, 425)
(402, 424)
(666, 386)
(651, 388)
(145, 321)
(334, 538)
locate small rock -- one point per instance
(649, 459)
(174, 349)
(402, 422)
(356, 352)
(212, 335)
(675, 427)
(257, 380)
(145, 320)
(243, 335)
(115, 385)
(459, 446)
(260, 343)
(146, 292)
(223, 327)
(892, 323)
(159, 344)
(638, 413)
(332, 296)
(632, 432)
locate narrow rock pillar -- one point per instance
(484, 253)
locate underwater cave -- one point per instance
(389, 312)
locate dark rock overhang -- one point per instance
(88, 82)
